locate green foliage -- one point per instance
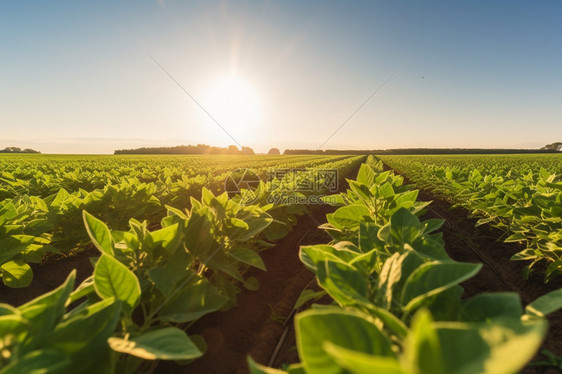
(42, 199)
(398, 297)
(519, 194)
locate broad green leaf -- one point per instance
(343, 282)
(99, 233)
(406, 200)
(256, 226)
(251, 284)
(168, 237)
(168, 343)
(87, 328)
(247, 256)
(13, 245)
(13, 324)
(503, 347)
(84, 289)
(39, 362)
(308, 295)
(256, 368)
(434, 277)
(366, 175)
(16, 274)
(487, 306)
(404, 227)
(351, 330)
(350, 216)
(546, 304)
(45, 311)
(174, 270)
(389, 320)
(363, 363)
(368, 238)
(422, 349)
(314, 254)
(194, 301)
(113, 279)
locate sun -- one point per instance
(236, 105)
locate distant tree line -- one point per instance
(553, 147)
(18, 150)
(415, 151)
(199, 149)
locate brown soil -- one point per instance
(49, 275)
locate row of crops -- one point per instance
(519, 194)
(43, 197)
(149, 284)
(398, 306)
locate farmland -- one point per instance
(161, 267)
(519, 194)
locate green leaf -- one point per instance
(45, 311)
(350, 216)
(390, 321)
(194, 301)
(515, 238)
(167, 275)
(404, 227)
(251, 284)
(487, 306)
(256, 226)
(503, 347)
(87, 331)
(545, 304)
(13, 245)
(168, 237)
(366, 175)
(434, 277)
(99, 233)
(168, 343)
(16, 274)
(343, 282)
(247, 256)
(39, 362)
(350, 330)
(422, 348)
(308, 295)
(311, 255)
(84, 289)
(362, 363)
(256, 368)
(113, 279)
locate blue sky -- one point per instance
(75, 76)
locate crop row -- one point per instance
(149, 285)
(397, 301)
(32, 227)
(519, 195)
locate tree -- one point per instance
(274, 151)
(553, 147)
(18, 150)
(248, 151)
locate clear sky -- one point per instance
(76, 76)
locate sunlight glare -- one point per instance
(237, 107)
